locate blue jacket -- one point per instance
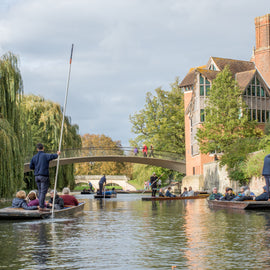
(40, 163)
(21, 203)
(262, 197)
(169, 194)
(266, 165)
(102, 180)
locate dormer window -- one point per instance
(212, 67)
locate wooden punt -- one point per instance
(201, 196)
(106, 196)
(87, 192)
(244, 205)
(9, 213)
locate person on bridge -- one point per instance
(101, 182)
(68, 199)
(40, 164)
(151, 151)
(153, 182)
(144, 150)
(136, 151)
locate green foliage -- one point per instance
(226, 116)
(44, 119)
(161, 122)
(12, 136)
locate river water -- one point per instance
(127, 233)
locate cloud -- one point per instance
(123, 49)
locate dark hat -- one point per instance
(229, 189)
(265, 187)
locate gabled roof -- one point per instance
(189, 78)
(244, 78)
(234, 65)
(209, 74)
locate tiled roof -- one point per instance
(235, 65)
(189, 79)
(209, 74)
(244, 78)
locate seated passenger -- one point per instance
(190, 192)
(20, 202)
(185, 193)
(240, 194)
(58, 202)
(245, 196)
(113, 191)
(160, 194)
(228, 195)
(68, 199)
(168, 193)
(33, 200)
(263, 196)
(215, 195)
(251, 193)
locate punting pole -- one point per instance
(62, 127)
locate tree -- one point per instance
(12, 131)
(95, 145)
(226, 128)
(44, 119)
(226, 117)
(161, 122)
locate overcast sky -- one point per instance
(122, 50)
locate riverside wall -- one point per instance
(216, 176)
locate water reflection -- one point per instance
(126, 233)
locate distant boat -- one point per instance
(108, 196)
(87, 192)
(245, 205)
(201, 196)
(19, 213)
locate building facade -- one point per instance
(253, 78)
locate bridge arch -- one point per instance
(179, 166)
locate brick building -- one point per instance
(253, 78)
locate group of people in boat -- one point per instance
(243, 195)
(31, 201)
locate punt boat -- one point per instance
(200, 196)
(244, 205)
(9, 213)
(108, 196)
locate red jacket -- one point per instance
(69, 199)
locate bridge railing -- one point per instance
(117, 151)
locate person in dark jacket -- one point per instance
(215, 195)
(266, 172)
(153, 181)
(229, 195)
(40, 164)
(185, 193)
(101, 182)
(168, 193)
(264, 196)
(58, 201)
(20, 202)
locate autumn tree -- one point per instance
(161, 121)
(100, 145)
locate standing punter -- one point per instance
(40, 164)
(101, 182)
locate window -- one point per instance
(253, 114)
(267, 116)
(259, 115)
(258, 90)
(249, 115)
(253, 91)
(201, 90)
(262, 92)
(202, 115)
(249, 91)
(201, 79)
(206, 81)
(263, 116)
(193, 170)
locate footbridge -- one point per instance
(170, 160)
(120, 180)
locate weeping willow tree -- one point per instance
(12, 132)
(44, 120)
